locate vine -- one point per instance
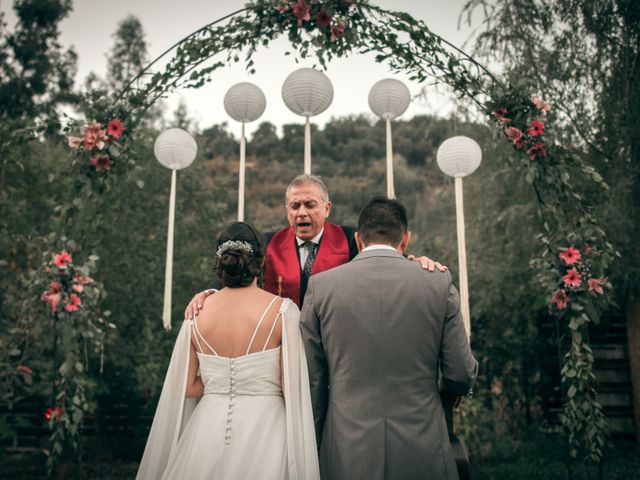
(575, 252)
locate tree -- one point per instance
(129, 53)
(584, 58)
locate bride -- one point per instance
(235, 402)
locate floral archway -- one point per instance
(574, 251)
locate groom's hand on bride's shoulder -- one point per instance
(196, 303)
(427, 263)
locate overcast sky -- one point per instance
(90, 27)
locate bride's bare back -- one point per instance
(230, 317)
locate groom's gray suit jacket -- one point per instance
(376, 332)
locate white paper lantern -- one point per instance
(389, 98)
(175, 148)
(459, 156)
(307, 92)
(245, 102)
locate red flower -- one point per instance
(75, 302)
(561, 299)
(337, 31)
(595, 285)
(536, 128)
(115, 128)
(541, 105)
(538, 150)
(24, 370)
(572, 278)
(101, 162)
(57, 411)
(62, 259)
(302, 11)
(570, 256)
(48, 413)
(515, 135)
(500, 115)
(323, 18)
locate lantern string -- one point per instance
(390, 190)
(166, 311)
(462, 258)
(241, 175)
(307, 147)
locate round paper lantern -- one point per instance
(245, 102)
(307, 92)
(459, 156)
(389, 98)
(175, 148)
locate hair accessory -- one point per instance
(234, 245)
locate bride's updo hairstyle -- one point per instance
(239, 255)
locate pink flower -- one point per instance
(75, 302)
(94, 136)
(337, 31)
(587, 249)
(115, 128)
(572, 278)
(540, 104)
(74, 142)
(101, 162)
(302, 11)
(79, 281)
(595, 285)
(561, 299)
(500, 115)
(323, 18)
(282, 8)
(515, 135)
(23, 369)
(536, 128)
(538, 150)
(52, 296)
(570, 256)
(62, 259)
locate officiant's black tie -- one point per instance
(311, 257)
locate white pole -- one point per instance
(462, 258)
(307, 147)
(168, 273)
(390, 190)
(241, 176)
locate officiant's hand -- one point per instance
(427, 263)
(196, 303)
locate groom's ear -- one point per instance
(359, 243)
(404, 243)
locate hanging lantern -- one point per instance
(307, 92)
(389, 98)
(175, 149)
(458, 157)
(244, 102)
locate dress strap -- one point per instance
(273, 326)
(260, 323)
(198, 334)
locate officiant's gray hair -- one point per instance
(302, 179)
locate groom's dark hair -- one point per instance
(382, 220)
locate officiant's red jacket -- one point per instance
(282, 271)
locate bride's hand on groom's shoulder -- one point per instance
(196, 303)
(427, 263)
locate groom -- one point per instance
(378, 333)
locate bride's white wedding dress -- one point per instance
(244, 426)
